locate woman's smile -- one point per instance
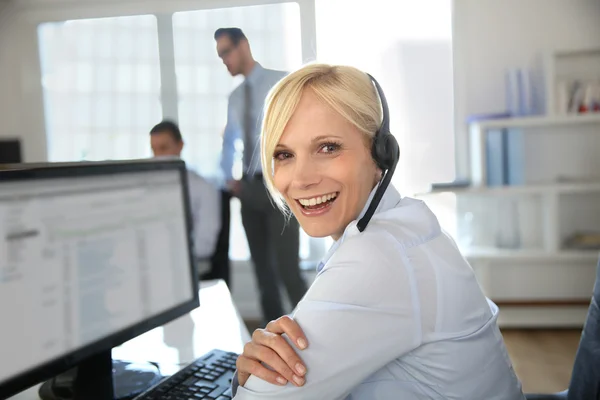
(317, 205)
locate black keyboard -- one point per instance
(209, 377)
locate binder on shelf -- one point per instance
(504, 157)
(495, 157)
(514, 157)
(504, 153)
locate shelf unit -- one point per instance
(534, 182)
(515, 234)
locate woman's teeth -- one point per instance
(313, 201)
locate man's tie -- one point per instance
(249, 139)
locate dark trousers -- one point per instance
(220, 267)
(274, 243)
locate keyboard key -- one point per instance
(217, 392)
(189, 381)
(206, 384)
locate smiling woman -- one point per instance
(395, 307)
(318, 151)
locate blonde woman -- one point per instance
(395, 311)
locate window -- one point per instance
(101, 85)
(204, 85)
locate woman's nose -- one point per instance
(306, 173)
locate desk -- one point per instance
(215, 324)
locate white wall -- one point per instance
(21, 110)
(491, 35)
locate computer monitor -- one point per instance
(91, 256)
(10, 151)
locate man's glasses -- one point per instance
(226, 52)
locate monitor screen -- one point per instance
(85, 257)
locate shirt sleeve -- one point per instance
(206, 214)
(235, 383)
(230, 135)
(360, 313)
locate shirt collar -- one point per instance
(390, 199)
(255, 74)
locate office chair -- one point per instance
(585, 378)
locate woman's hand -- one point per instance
(267, 346)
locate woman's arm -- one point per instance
(268, 347)
(361, 313)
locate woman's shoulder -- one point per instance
(401, 238)
(381, 249)
(372, 244)
(405, 224)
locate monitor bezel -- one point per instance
(21, 172)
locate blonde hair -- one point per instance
(345, 89)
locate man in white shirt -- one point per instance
(166, 140)
(273, 241)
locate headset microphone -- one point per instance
(386, 153)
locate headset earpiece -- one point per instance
(385, 150)
(386, 153)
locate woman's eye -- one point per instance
(330, 147)
(282, 155)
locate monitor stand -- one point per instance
(101, 378)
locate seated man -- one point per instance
(205, 200)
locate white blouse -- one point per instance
(396, 312)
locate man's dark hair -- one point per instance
(169, 127)
(235, 34)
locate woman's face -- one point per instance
(323, 168)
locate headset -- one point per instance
(386, 153)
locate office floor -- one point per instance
(542, 358)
